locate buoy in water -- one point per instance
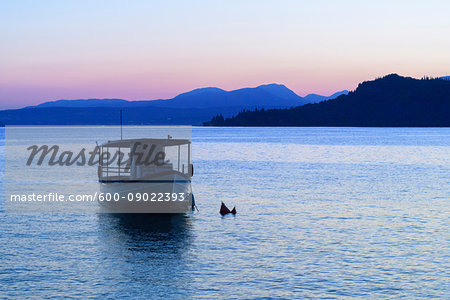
(224, 210)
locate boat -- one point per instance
(145, 176)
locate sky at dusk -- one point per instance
(157, 49)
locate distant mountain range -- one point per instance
(388, 102)
(314, 98)
(263, 96)
(193, 107)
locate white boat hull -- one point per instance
(170, 193)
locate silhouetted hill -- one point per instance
(272, 95)
(314, 98)
(389, 101)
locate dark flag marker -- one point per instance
(224, 210)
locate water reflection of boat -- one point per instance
(145, 176)
(145, 250)
(150, 232)
(143, 227)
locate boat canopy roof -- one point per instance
(129, 142)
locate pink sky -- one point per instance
(151, 50)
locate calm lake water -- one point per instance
(322, 213)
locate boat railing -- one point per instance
(106, 172)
